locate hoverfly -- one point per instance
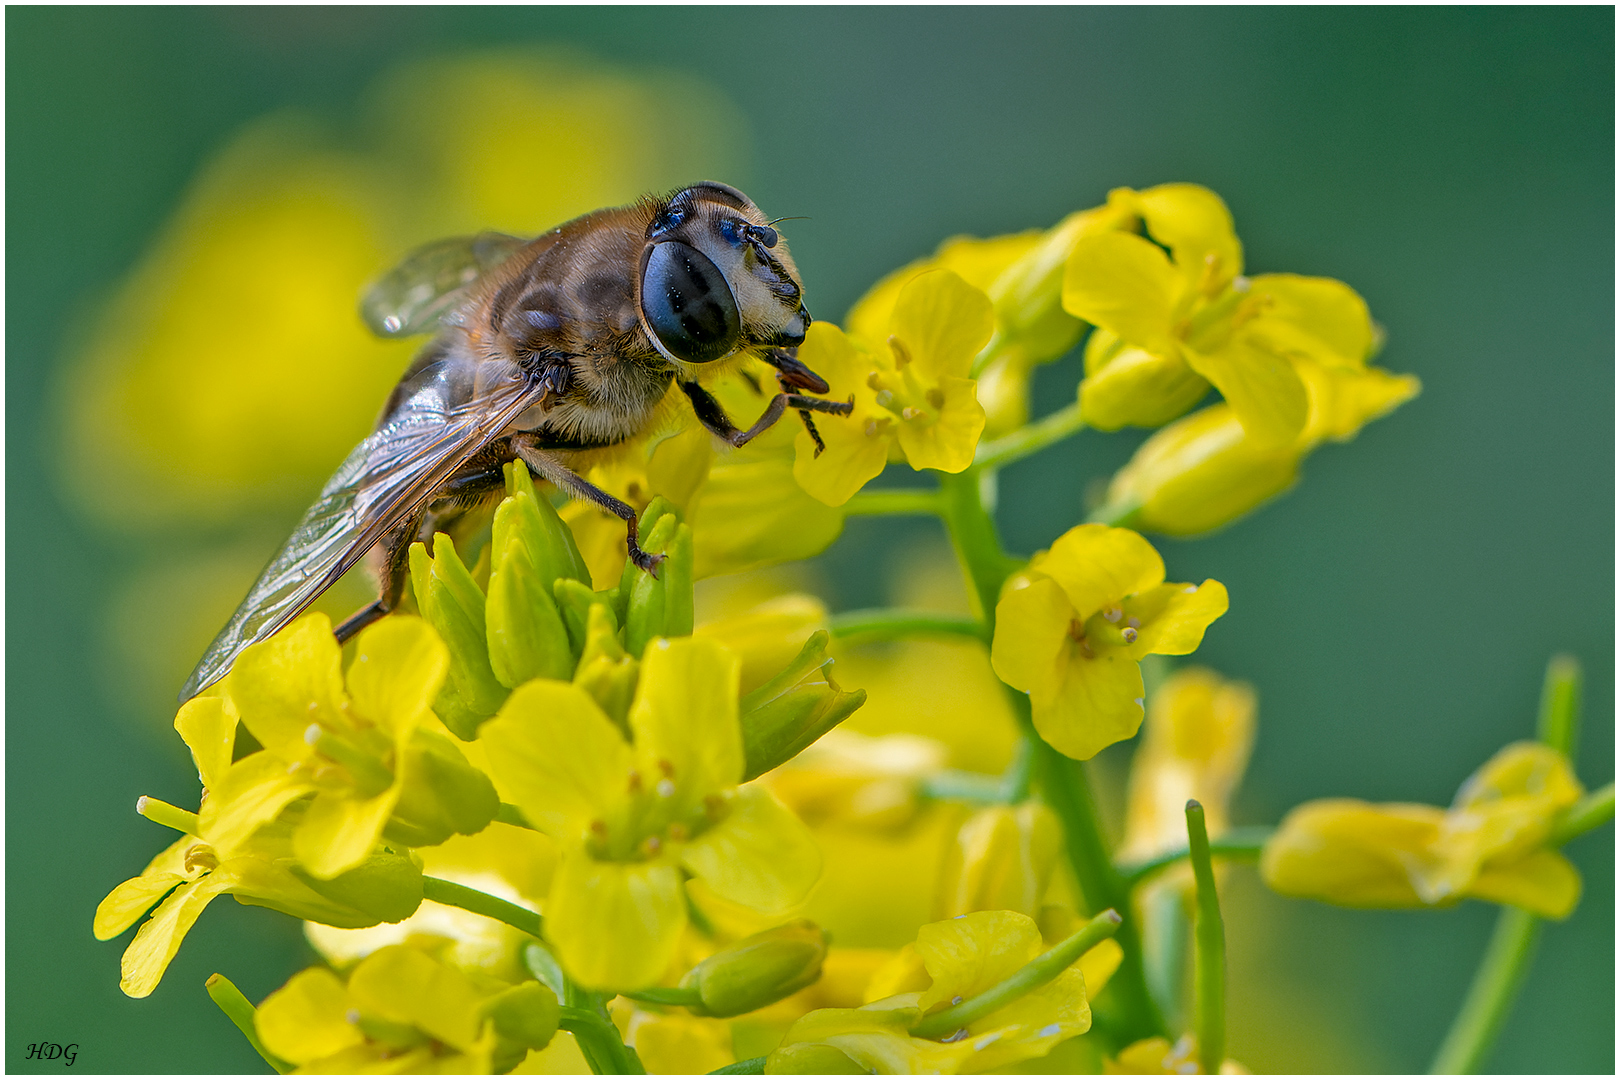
(546, 349)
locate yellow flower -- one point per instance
(911, 388)
(1071, 628)
(1158, 1056)
(1195, 745)
(1022, 273)
(632, 818)
(1168, 326)
(1205, 470)
(856, 779)
(1489, 845)
(404, 1012)
(221, 854)
(358, 744)
(962, 957)
(1002, 858)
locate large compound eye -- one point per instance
(687, 303)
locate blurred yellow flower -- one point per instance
(911, 388)
(1071, 628)
(1195, 745)
(1159, 1056)
(631, 817)
(1003, 858)
(1490, 844)
(859, 780)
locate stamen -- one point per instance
(935, 397)
(666, 768)
(1129, 634)
(665, 788)
(884, 399)
(635, 781)
(874, 381)
(678, 832)
(1113, 614)
(1134, 623)
(902, 355)
(599, 829)
(909, 413)
(652, 845)
(871, 429)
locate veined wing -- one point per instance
(387, 477)
(412, 297)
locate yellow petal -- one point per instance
(398, 668)
(159, 938)
(684, 718)
(948, 443)
(1351, 853)
(943, 322)
(1197, 227)
(1125, 283)
(1345, 399)
(1319, 318)
(1032, 632)
(208, 726)
(857, 448)
(284, 685)
(978, 262)
(338, 831)
(1097, 703)
(251, 793)
(403, 986)
(557, 756)
(615, 925)
(764, 638)
(307, 1018)
(131, 899)
(1175, 616)
(759, 855)
(1263, 389)
(753, 513)
(968, 955)
(1099, 566)
(1543, 882)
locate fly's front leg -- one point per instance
(713, 417)
(527, 448)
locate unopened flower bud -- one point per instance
(1128, 386)
(759, 970)
(793, 710)
(1002, 858)
(441, 793)
(452, 603)
(525, 1019)
(387, 887)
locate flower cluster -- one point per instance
(570, 815)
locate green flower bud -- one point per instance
(661, 606)
(758, 970)
(525, 1019)
(451, 602)
(606, 671)
(440, 793)
(551, 544)
(794, 709)
(527, 639)
(812, 1059)
(387, 887)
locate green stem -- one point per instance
(1596, 808)
(599, 1041)
(1209, 949)
(1490, 998)
(1244, 843)
(973, 535)
(886, 624)
(745, 1067)
(441, 891)
(664, 995)
(915, 501)
(1068, 792)
(168, 814)
(1032, 976)
(1015, 781)
(1029, 439)
(962, 786)
(1558, 724)
(241, 1013)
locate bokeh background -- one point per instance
(1394, 612)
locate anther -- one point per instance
(909, 413)
(665, 788)
(874, 381)
(679, 832)
(1129, 634)
(312, 734)
(665, 767)
(884, 399)
(1113, 614)
(871, 429)
(902, 355)
(635, 781)
(599, 828)
(652, 845)
(1076, 630)
(1134, 623)
(935, 397)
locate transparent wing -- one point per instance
(412, 297)
(388, 476)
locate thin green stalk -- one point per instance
(1209, 949)
(1015, 781)
(1596, 808)
(664, 995)
(973, 535)
(1032, 976)
(1507, 958)
(599, 1041)
(241, 1013)
(745, 1067)
(1068, 792)
(914, 501)
(1490, 998)
(1029, 439)
(962, 786)
(441, 891)
(886, 624)
(1244, 842)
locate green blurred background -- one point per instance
(1395, 612)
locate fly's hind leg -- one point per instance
(526, 447)
(392, 555)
